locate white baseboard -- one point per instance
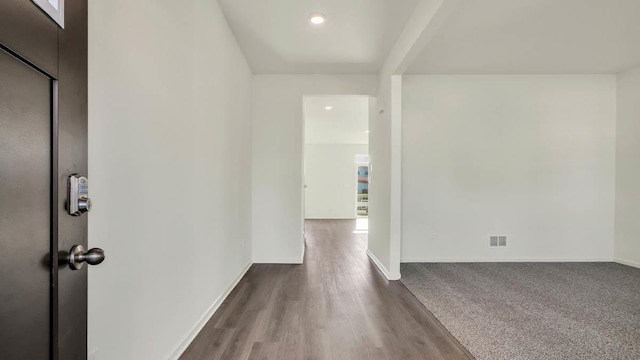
(382, 268)
(291, 260)
(184, 344)
(484, 260)
(627, 262)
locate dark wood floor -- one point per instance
(337, 305)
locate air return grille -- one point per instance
(497, 240)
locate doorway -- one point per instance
(362, 194)
(336, 159)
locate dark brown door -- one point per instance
(43, 140)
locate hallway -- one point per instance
(337, 305)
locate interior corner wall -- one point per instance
(331, 178)
(170, 172)
(627, 227)
(278, 160)
(531, 157)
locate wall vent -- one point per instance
(493, 241)
(497, 240)
(502, 240)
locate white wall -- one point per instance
(531, 157)
(627, 240)
(278, 140)
(331, 178)
(170, 170)
(385, 205)
(384, 190)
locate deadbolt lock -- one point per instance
(79, 202)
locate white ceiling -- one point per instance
(277, 37)
(346, 123)
(535, 36)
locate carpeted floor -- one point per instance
(534, 310)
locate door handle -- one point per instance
(78, 256)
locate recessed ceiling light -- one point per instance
(317, 19)
(328, 107)
(367, 131)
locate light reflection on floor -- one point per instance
(362, 226)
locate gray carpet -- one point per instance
(534, 310)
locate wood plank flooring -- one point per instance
(337, 305)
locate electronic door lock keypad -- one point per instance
(79, 202)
